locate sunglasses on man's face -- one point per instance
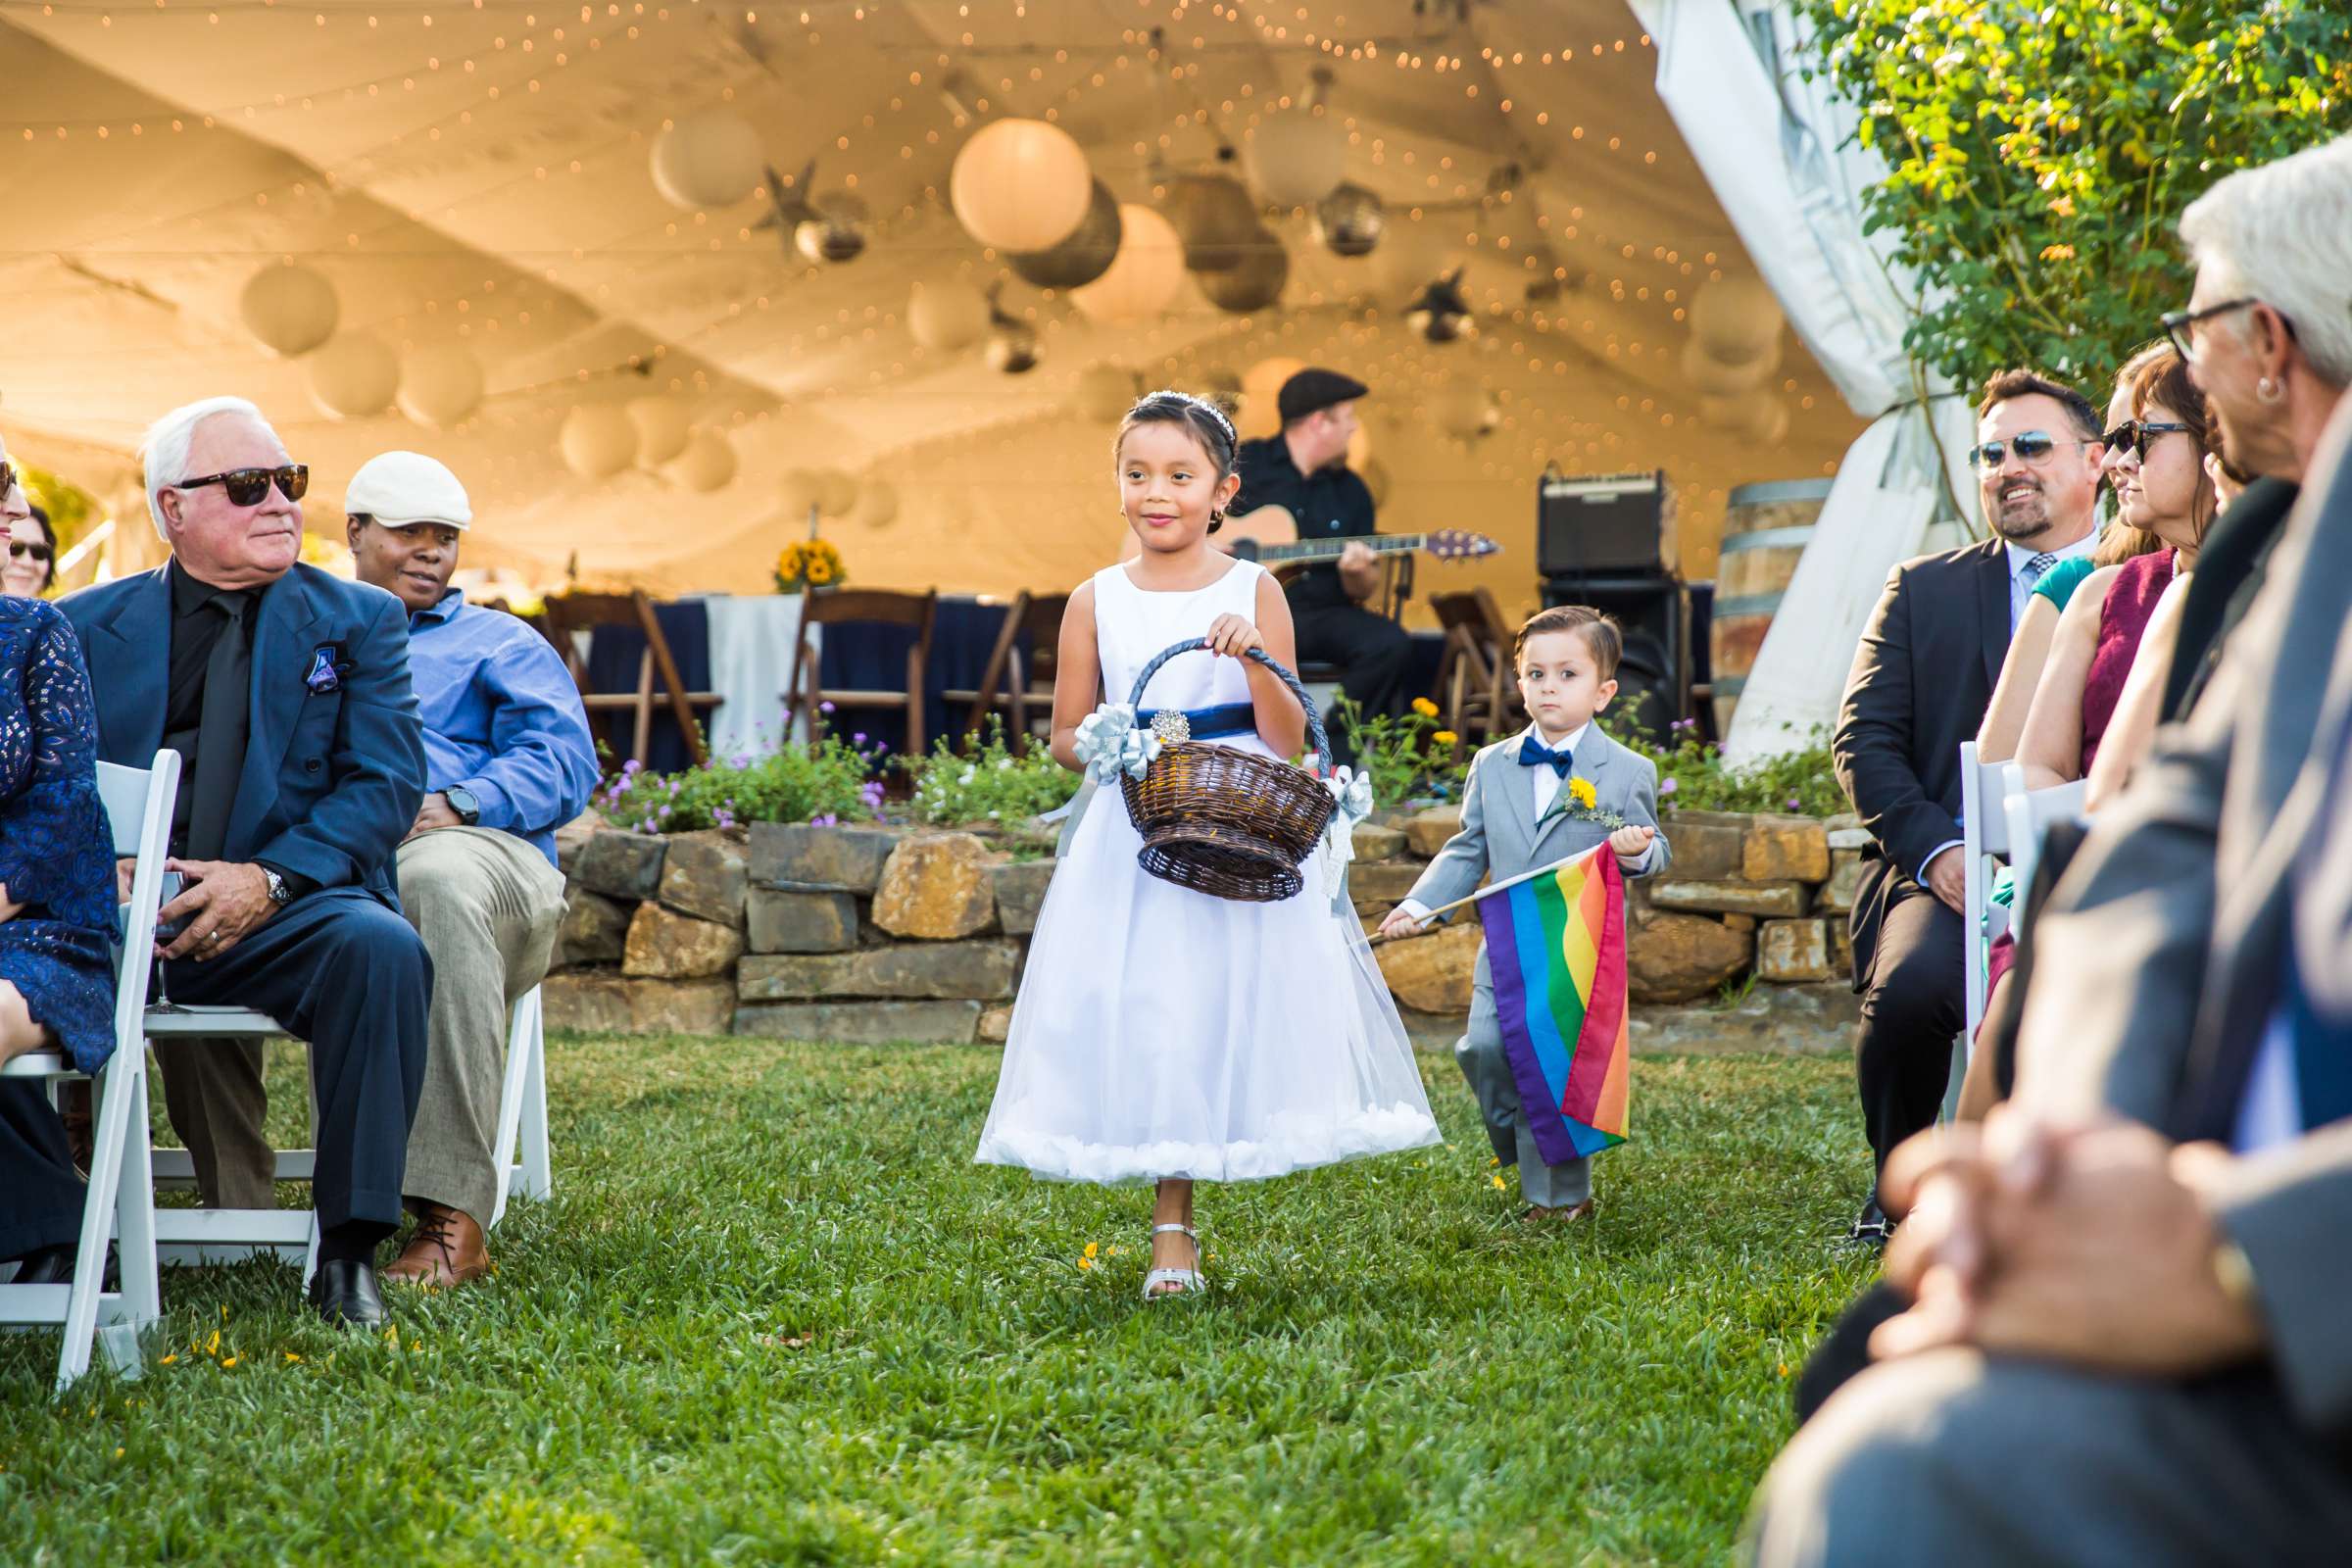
(2031, 446)
(18, 551)
(248, 487)
(2140, 435)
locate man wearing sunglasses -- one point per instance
(1921, 682)
(285, 691)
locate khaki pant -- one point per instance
(487, 904)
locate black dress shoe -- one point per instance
(1870, 1227)
(343, 1291)
(51, 1265)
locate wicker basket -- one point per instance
(1224, 822)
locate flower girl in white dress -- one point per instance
(1164, 1034)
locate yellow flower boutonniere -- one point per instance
(1580, 791)
(1580, 800)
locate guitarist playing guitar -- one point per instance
(1304, 471)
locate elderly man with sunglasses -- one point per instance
(285, 691)
(1921, 682)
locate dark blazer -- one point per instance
(332, 778)
(1922, 679)
(2164, 942)
(2230, 565)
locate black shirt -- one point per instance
(196, 629)
(1330, 503)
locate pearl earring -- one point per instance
(2267, 389)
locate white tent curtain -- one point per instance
(1778, 149)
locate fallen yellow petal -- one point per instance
(225, 1365)
(1086, 1262)
(1497, 1181)
(291, 1356)
(169, 1359)
(118, 1454)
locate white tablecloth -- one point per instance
(751, 658)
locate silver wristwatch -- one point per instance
(279, 894)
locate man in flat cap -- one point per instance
(508, 760)
(1304, 471)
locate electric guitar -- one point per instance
(1269, 536)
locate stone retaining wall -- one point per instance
(874, 934)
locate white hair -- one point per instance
(2282, 234)
(164, 450)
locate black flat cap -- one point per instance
(1311, 391)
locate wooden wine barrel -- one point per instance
(1765, 530)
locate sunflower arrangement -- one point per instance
(814, 563)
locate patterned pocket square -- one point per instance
(329, 667)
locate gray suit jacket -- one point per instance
(1498, 832)
(2157, 963)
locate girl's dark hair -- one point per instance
(1203, 419)
(40, 516)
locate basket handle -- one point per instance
(1318, 741)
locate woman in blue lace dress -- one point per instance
(56, 917)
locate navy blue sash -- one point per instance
(1207, 723)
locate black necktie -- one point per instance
(220, 737)
(1533, 752)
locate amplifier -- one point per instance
(1600, 522)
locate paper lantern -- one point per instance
(440, 385)
(1145, 275)
(1106, 392)
(598, 440)
(1414, 254)
(1351, 220)
(836, 493)
(1712, 375)
(1736, 319)
(877, 502)
(1011, 347)
(800, 492)
(1215, 216)
(1464, 410)
(662, 428)
(947, 317)
(707, 463)
(1082, 258)
(1297, 157)
(354, 377)
(711, 158)
(291, 309)
(1254, 284)
(1020, 185)
(1261, 393)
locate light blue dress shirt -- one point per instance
(502, 719)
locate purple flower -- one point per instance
(629, 768)
(824, 708)
(740, 759)
(1667, 786)
(824, 820)
(859, 739)
(1794, 803)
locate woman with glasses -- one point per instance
(31, 564)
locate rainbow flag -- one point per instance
(1557, 945)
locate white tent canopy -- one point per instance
(477, 176)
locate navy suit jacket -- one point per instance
(332, 779)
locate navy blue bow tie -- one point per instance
(1533, 752)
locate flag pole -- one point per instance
(1422, 928)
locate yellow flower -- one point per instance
(1425, 707)
(1446, 737)
(1092, 1249)
(225, 1365)
(169, 1359)
(1580, 790)
(2057, 252)
(1497, 1181)
(291, 1356)
(1086, 1262)
(820, 572)
(213, 1346)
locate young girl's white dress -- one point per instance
(1161, 1032)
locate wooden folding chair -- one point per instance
(119, 1204)
(1019, 686)
(804, 686)
(570, 614)
(1482, 693)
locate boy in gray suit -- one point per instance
(1521, 811)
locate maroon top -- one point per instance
(2122, 620)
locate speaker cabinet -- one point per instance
(1605, 523)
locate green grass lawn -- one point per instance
(773, 1314)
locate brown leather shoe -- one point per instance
(1538, 1214)
(446, 1250)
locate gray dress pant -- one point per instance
(1480, 1057)
(1955, 1458)
(487, 904)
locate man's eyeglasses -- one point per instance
(2031, 446)
(2180, 326)
(17, 551)
(246, 487)
(2140, 435)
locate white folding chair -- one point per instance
(2030, 814)
(119, 1204)
(1985, 837)
(522, 1110)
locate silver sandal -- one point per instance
(1186, 1280)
